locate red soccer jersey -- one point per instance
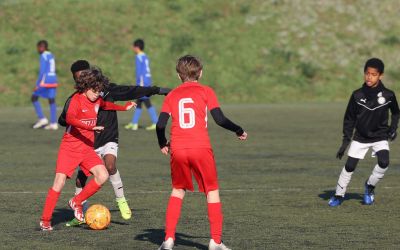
(81, 118)
(188, 105)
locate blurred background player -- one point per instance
(367, 113)
(191, 151)
(143, 78)
(46, 86)
(106, 142)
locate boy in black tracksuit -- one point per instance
(106, 142)
(367, 113)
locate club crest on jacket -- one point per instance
(381, 99)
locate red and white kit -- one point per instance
(76, 147)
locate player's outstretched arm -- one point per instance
(394, 110)
(349, 123)
(160, 129)
(224, 122)
(112, 106)
(126, 93)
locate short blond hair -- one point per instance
(189, 68)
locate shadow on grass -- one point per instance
(327, 194)
(156, 237)
(117, 213)
(62, 215)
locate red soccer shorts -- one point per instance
(197, 161)
(68, 161)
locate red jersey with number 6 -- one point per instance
(188, 105)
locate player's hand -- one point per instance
(98, 129)
(243, 136)
(130, 105)
(341, 151)
(392, 134)
(165, 150)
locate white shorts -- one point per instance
(109, 148)
(358, 150)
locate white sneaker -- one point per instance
(214, 246)
(51, 126)
(167, 245)
(40, 123)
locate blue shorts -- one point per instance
(48, 93)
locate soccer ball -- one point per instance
(98, 217)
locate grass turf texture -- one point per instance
(254, 51)
(274, 187)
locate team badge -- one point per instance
(381, 99)
(97, 106)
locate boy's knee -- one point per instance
(59, 183)
(383, 158)
(34, 98)
(351, 164)
(383, 163)
(180, 193)
(112, 170)
(213, 196)
(100, 174)
(139, 104)
(102, 177)
(147, 103)
(52, 100)
(110, 162)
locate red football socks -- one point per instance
(216, 219)
(172, 217)
(50, 204)
(90, 189)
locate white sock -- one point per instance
(116, 182)
(377, 175)
(77, 190)
(343, 182)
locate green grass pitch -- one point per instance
(274, 187)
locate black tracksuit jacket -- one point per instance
(368, 113)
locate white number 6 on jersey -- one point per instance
(188, 111)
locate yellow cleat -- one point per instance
(74, 223)
(151, 127)
(131, 126)
(123, 206)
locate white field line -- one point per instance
(277, 190)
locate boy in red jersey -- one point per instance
(76, 147)
(190, 147)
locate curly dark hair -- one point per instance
(93, 79)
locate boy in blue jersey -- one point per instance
(143, 78)
(46, 86)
